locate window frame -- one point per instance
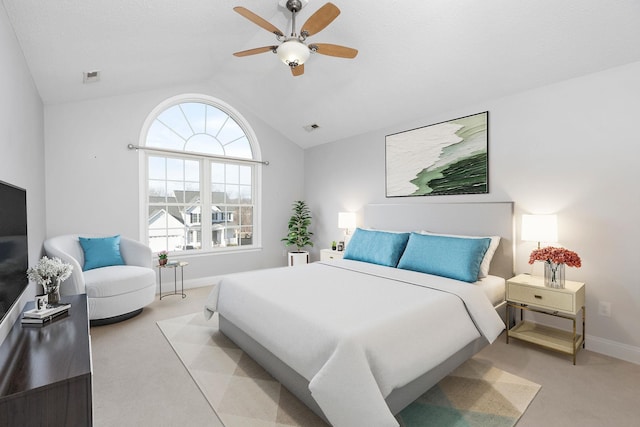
(205, 162)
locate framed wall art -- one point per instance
(440, 159)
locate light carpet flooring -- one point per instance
(139, 381)
(242, 393)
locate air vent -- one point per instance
(311, 128)
(91, 76)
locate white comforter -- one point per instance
(355, 331)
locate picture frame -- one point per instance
(446, 158)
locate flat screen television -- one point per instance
(14, 256)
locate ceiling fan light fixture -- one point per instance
(293, 52)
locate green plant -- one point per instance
(299, 234)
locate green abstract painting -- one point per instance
(441, 159)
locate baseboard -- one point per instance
(615, 349)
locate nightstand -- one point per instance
(328, 254)
(525, 292)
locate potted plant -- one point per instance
(334, 245)
(163, 257)
(299, 234)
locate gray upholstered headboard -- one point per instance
(473, 219)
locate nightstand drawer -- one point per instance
(544, 298)
(328, 254)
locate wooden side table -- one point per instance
(175, 265)
(525, 292)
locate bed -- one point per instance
(359, 339)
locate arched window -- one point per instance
(202, 165)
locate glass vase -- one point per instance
(553, 275)
(53, 291)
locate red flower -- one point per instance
(555, 255)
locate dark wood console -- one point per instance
(45, 371)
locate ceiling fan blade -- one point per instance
(298, 70)
(320, 19)
(334, 50)
(255, 51)
(258, 20)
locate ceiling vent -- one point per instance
(90, 76)
(311, 128)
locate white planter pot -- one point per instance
(298, 258)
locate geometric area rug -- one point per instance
(242, 393)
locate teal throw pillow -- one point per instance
(452, 257)
(101, 252)
(376, 247)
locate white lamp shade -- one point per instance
(347, 220)
(293, 51)
(540, 228)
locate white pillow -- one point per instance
(488, 256)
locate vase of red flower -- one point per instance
(553, 275)
(554, 261)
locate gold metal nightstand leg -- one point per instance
(574, 341)
(507, 321)
(584, 331)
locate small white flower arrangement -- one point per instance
(48, 272)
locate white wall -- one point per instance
(92, 178)
(571, 148)
(21, 146)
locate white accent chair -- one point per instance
(114, 293)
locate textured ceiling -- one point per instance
(415, 58)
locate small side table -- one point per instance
(175, 266)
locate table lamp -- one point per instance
(347, 220)
(540, 228)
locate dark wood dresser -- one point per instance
(45, 371)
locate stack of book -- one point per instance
(53, 312)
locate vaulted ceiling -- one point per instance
(415, 58)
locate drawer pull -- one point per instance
(538, 296)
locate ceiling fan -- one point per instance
(292, 49)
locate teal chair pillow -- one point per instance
(101, 252)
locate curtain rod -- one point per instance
(209, 156)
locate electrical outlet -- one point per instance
(604, 308)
